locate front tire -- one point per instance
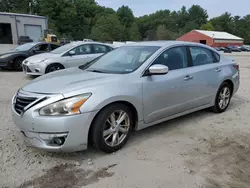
(112, 127)
(223, 98)
(54, 67)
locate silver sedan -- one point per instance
(131, 88)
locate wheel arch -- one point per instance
(129, 104)
(56, 63)
(19, 56)
(230, 82)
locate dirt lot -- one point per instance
(201, 150)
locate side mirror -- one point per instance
(157, 69)
(72, 53)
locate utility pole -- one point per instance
(30, 7)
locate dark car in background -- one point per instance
(245, 49)
(14, 58)
(234, 48)
(225, 50)
(64, 41)
(24, 39)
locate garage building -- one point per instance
(212, 38)
(14, 25)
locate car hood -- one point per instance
(68, 80)
(43, 56)
(12, 53)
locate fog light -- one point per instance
(54, 139)
(59, 141)
(37, 70)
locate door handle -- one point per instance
(186, 78)
(218, 70)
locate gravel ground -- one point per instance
(200, 150)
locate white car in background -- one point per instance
(70, 55)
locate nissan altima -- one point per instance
(128, 89)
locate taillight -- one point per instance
(236, 66)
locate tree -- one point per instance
(108, 28)
(161, 32)
(208, 26)
(223, 22)
(134, 33)
(198, 15)
(126, 16)
(189, 26)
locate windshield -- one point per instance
(25, 47)
(64, 48)
(123, 60)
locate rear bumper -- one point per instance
(236, 82)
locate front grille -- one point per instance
(22, 102)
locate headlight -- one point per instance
(6, 55)
(39, 61)
(65, 107)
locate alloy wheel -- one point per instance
(224, 98)
(116, 128)
(54, 68)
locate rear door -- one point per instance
(206, 73)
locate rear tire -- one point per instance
(17, 66)
(54, 67)
(111, 128)
(223, 98)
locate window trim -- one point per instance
(189, 63)
(66, 54)
(212, 52)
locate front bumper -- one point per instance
(33, 69)
(35, 128)
(5, 63)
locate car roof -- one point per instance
(163, 43)
(90, 42)
(167, 44)
(40, 42)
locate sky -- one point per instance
(213, 7)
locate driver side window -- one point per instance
(41, 48)
(174, 58)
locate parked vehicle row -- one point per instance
(14, 58)
(230, 49)
(129, 88)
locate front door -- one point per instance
(170, 94)
(83, 54)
